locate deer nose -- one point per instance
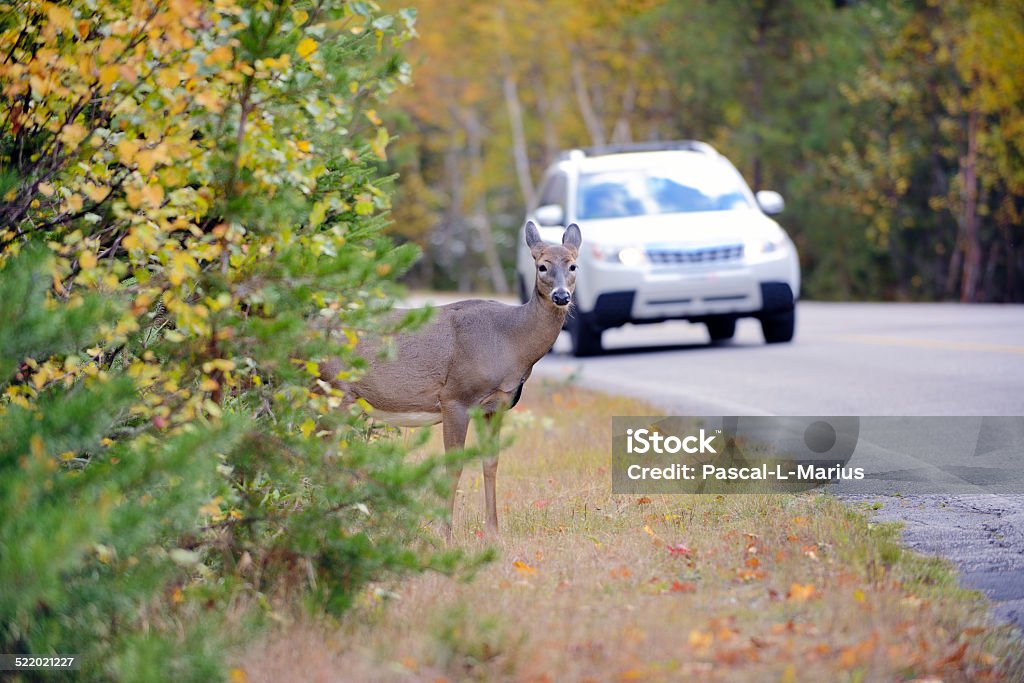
(561, 297)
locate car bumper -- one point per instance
(634, 295)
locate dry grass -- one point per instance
(591, 586)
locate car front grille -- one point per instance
(717, 254)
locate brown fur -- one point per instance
(475, 353)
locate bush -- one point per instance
(87, 554)
(218, 167)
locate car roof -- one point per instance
(636, 155)
(609, 162)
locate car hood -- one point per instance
(676, 230)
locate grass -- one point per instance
(589, 586)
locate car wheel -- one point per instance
(586, 339)
(721, 329)
(779, 327)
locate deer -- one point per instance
(474, 354)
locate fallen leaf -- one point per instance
(801, 592)
(622, 572)
(700, 640)
(523, 569)
(683, 587)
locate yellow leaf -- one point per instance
(168, 78)
(212, 507)
(182, 265)
(238, 676)
(523, 569)
(220, 55)
(306, 47)
(73, 134)
(87, 260)
(133, 195)
(59, 16)
(210, 100)
(146, 160)
(126, 150)
(307, 427)
(109, 47)
(45, 189)
(859, 595)
(153, 194)
(108, 74)
(97, 193)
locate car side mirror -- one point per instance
(549, 215)
(770, 202)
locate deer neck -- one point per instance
(539, 323)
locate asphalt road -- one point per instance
(846, 359)
(852, 359)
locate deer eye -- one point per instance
(573, 267)
(542, 268)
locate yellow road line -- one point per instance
(933, 343)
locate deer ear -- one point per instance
(533, 240)
(572, 237)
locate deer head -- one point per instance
(556, 264)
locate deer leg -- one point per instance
(491, 472)
(455, 423)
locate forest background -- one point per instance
(894, 130)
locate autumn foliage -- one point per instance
(893, 129)
(212, 173)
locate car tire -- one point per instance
(586, 338)
(779, 327)
(721, 329)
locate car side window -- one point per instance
(554, 191)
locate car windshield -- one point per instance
(685, 188)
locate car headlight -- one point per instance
(773, 245)
(632, 256)
(627, 256)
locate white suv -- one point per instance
(670, 231)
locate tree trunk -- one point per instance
(590, 118)
(622, 131)
(520, 154)
(548, 108)
(479, 219)
(972, 241)
(454, 242)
